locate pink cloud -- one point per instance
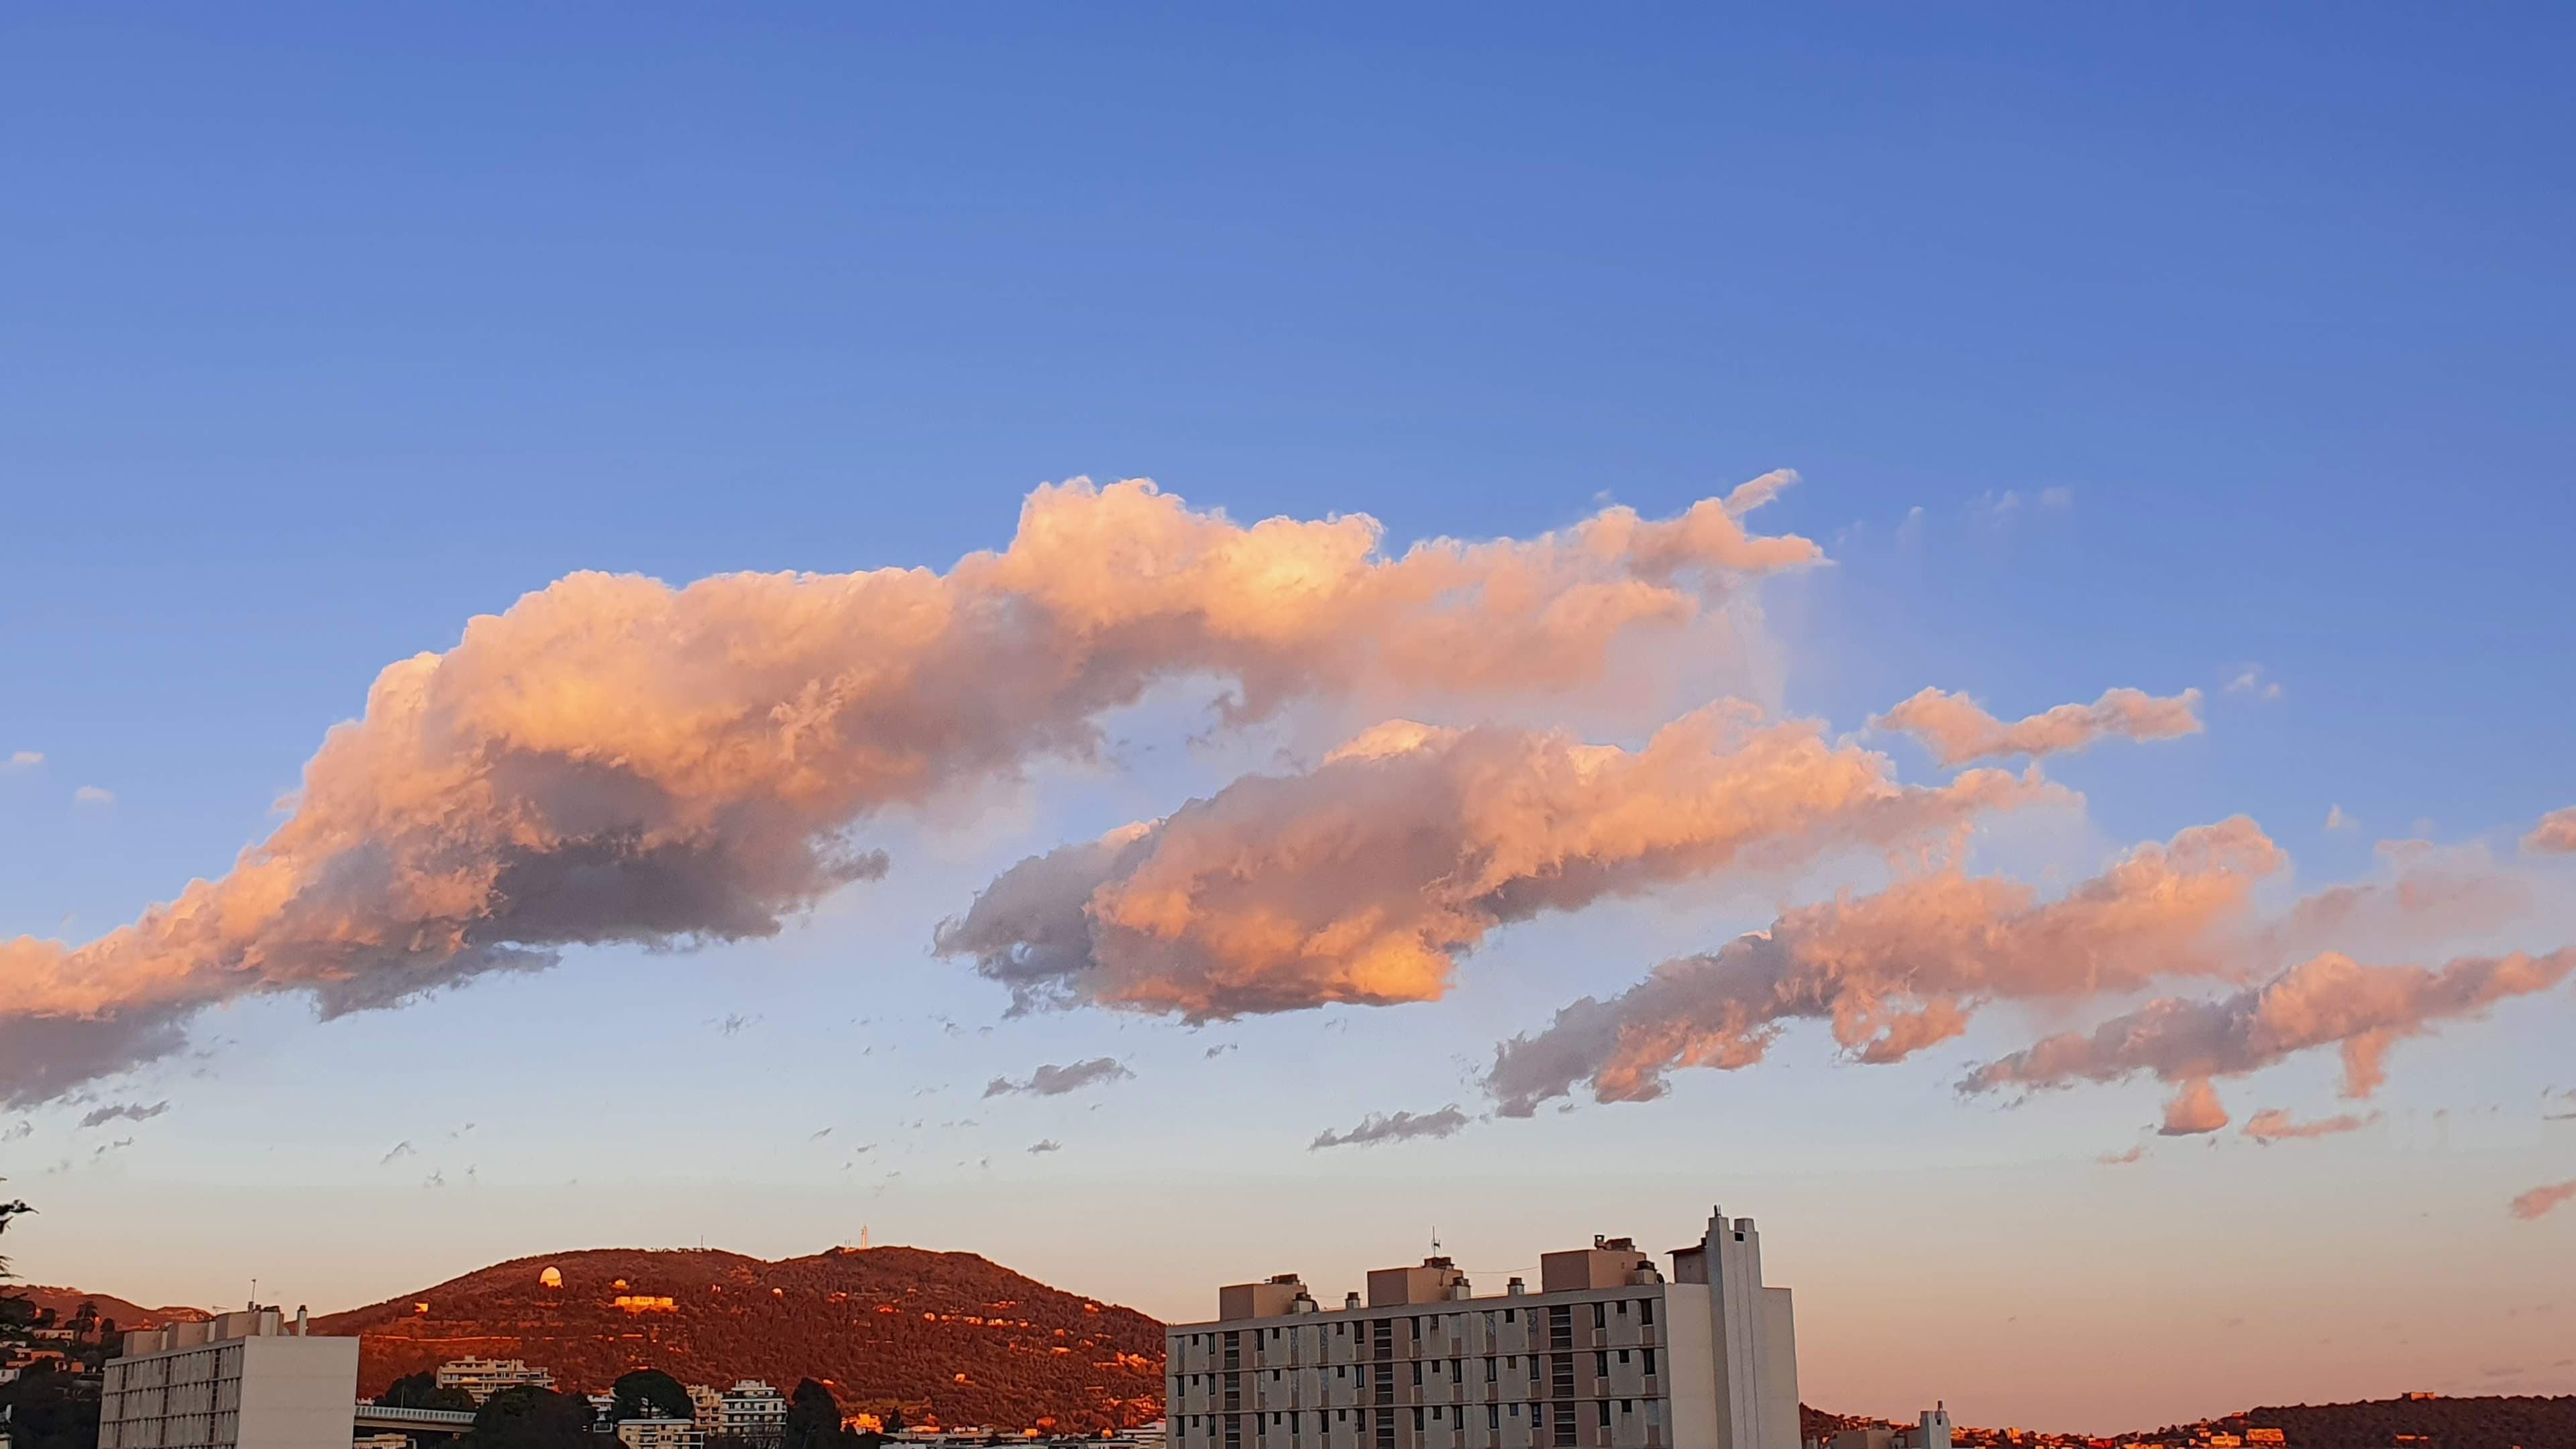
(2275, 1124)
(1902, 969)
(1956, 730)
(2326, 1001)
(2195, 1110)
(1367, 878)
(2536, 1203)
(2555, 833)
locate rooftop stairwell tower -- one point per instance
(1753, 1340)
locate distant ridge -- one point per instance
(67, 1301)
(950, 1336)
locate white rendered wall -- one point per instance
(298, 1393)
(1691, 1352)
(1779, 1372)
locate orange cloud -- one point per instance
(2193, 1111)
(1902, 969)
(1364, 879)
(614, 759)
(2328, 1000)
(2555, 833)
(2537, 1202)
(2275, 1124)
(1956, 730)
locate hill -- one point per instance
(67, 1301)
(2436, 1421)
(945, 1335)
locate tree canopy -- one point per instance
(649, 1394)
(813, 1417)
(524, 1416)
(16, 1313)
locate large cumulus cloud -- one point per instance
(615, 759)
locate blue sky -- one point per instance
(2205, 341)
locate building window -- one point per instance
(1646, 1311)
(1493, 1416)
(1417, 1421)
(1601, 1315)
(1650, 1359)
(1605, 1413)
(1489, 1371)
(1623, 1308)
(1601, 1365)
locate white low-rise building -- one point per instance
(240, 1381)
(755, 1411)
(481, 1378)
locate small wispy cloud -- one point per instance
(2336, 819)
(93, 795)
(2274, 1124)
(819, 1136)
(19, 1133)
(2250, 680)
(734, 1023)
(124, 1112)
(1045, 1145)
(2123, 1159)
(119, 1145)
(1054, 1081)
(400, 1151)
(2533, 1204)
(1397, 1127)
(23, 760)
(1220, 1049)
(437, 1178)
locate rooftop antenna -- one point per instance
(254, 1293)
(1435, 1242)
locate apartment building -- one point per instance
(239, 1381)
(753, 1410)
(707, 1406)
(481, 1378)
(1608, 1354)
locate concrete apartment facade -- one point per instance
(238, 1382)
(1607, 1354)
